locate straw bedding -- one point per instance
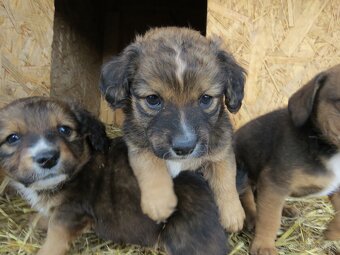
(300, 235)
(265, 37)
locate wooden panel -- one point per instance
(26, 31)
(282, 44)
(77, 52)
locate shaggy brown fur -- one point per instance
(173, 85)
(293, 152)
(59, 158)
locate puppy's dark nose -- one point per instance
(47, 159)
(184, 145)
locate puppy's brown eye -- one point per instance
(205, 101)
(65, 130)
(13, 138)
(154, 102)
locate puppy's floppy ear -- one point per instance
(117, 75)
(300, 104)
(232, 76)
(93, 128)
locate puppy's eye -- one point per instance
(205, 101)
(154, 102)
(13, 138)
(65, 130)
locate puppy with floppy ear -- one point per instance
(293, 152)
(301, 104)
(59, 159)
(172, 84)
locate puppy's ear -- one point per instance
(232, 76)
(91, 127)
(300, 104)
(117, 75)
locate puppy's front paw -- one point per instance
(264, 251)
(42, 252)
(290, 211)
(333, 231)
(259, 248)
(39, 221)
(250, 220)
(232, 216)
(51, 251)
(159, 205)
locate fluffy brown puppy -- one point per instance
(173, 84)
(293, 152)
(59, 159)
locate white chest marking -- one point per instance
(174, 167)
(49, 183)
(333, 165)
(42, 203)
(30, 195)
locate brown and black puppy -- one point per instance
(293, 152)
(60, 160)
(173, 84)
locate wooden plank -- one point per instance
(281, 43)
(26, 33)
(290, 13)
(303, 24)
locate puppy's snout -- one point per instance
(184, 145)
(47, 159)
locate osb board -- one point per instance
(25, 48)
(281, 43)
(76, 52)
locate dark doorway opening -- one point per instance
(88, 32)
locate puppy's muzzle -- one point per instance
(47, 158)
(184, 145)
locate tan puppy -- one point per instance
(172, 84)
(59, 159)
(293, 151)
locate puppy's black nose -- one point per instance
(47, 159)
(184, 145)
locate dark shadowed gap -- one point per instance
(88, 32)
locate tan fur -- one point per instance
(333, 229)
(158, 197)
(302, 183)
(223, 184)
(39, 221)
(269, 208)
(290, 211)
(59, 238)
(57, 241)
(249, 206)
